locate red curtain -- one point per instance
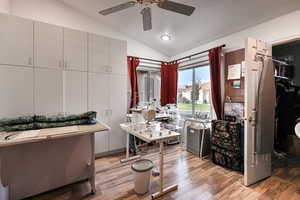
(215, 78)
(168, 92)
(133, 63)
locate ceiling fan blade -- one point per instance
(176, 7)
(147, 19)
(117, 8)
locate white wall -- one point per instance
(279, 29)
(56, 12)
(5, 6)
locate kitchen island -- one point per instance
(36, 161)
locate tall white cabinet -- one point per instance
(47, 69)
(48, 45)
(75, 50)
(48, 95)
(16, 89)
(99, 53)
(75, 92)
(16, 39)
(118, 109)
(98, 97)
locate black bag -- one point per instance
(226, 144)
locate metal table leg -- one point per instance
(202, 142)
(92, 165)
(128, 158)
(162, 190)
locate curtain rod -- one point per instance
(196, 54)
(160, 61)
(148, 59)
(196, 58)
(194, 63)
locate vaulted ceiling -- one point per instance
(212, 19)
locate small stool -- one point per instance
(142, 172)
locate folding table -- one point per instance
(152, 133)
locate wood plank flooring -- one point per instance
(197, 180)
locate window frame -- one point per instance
(193, 88)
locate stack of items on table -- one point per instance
(226, 144)
(41, 121)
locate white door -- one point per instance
(16, 89)
(99, 49)
(75, 50)
(16, 39)
(48, 45)
(118, 104)
(75, 92)
(98, 100)
(259, 111)
(118, 56)
(48, 91)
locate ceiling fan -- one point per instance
(146, 11)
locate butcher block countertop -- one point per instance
(22, 137)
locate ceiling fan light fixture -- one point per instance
(165, 37)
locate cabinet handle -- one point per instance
(108, 69)
(29, 61)
(108, 112)
(59, 64)
(66, 65)
(105, 113)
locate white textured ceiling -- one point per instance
(212, 19)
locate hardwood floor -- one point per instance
(197, 179)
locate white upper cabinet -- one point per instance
(75, 50)
(48, 91)
(99, 53)
(75, 92)
(16, 41)
(48, 45)
(16, 89)
(118, 56)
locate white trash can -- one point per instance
(3, 192)
(142, 172)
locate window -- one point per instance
(149, 86)
(184, 92)
(194, 98)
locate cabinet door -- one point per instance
(75, 50)
(118, 103)
(48, 91)
(101, 142)
(118, 56)
(16, 89)
(98, 100)
(75, 92)
(48, 45)
(16, 39)
(98, 53)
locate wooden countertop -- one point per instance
(22, 137)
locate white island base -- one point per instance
(48, 161)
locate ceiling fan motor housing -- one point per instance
(147, 2)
